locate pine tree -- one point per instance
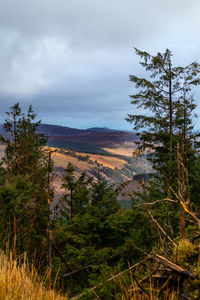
(99, 241)
(24, 190)
(77, 193)
(166, 95)
(23, 154)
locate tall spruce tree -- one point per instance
(166, 95)
(23, 154)
(23, 193)
(77, 193)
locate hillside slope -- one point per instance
(90, 140)
(114, 168)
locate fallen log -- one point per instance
(164, 261)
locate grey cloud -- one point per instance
(71, 58)
(78, 20)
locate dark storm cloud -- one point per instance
(71, 58)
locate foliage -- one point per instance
(23, 154)
(166, 95)
(77, 193)
(185, 250)
(93, 245)
(23, 192)
(99, 240)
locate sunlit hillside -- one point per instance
(117, 165)
(114, 167)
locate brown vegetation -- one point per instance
(19, 282)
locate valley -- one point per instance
(110, 153)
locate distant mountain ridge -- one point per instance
(102, 129)
(89, 140)
(73, 138)
(57, 130)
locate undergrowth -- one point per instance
(19, 281)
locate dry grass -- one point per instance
(18, 282)
(149, 291)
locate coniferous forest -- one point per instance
(92, 248)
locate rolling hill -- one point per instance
(90, 140)
(110, 152)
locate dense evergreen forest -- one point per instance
(90, 247)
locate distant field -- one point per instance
(95, 162)
(107, 161)
(61, 160)
(76, 146)
(112, 154)
(116, 164)
(124, 151)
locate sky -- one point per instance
(71, 59)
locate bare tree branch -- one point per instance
(161, 229)
(110, 279)
(173, 266)
(156, 202)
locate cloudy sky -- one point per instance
(71, 59)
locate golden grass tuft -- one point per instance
(18, 281)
